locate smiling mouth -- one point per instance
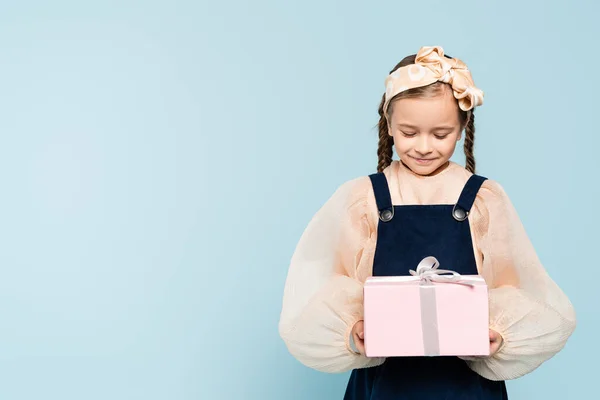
(422, 159)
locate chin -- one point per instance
(424, 169)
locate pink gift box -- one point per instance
(409, 316)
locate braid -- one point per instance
(386, 142)
(469, 143)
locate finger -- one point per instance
(357, 338)
(494, 347)
(495, 335)
(359, 342)
(360, 346)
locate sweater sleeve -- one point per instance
(533, 315)
(323, 298)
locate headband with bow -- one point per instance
(431, 66)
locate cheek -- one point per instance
(447, 146)
(402, 143)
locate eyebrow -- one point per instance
(437, 128)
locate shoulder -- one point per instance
(491, 192)
(491, 188)
(355, 192)
(491, 203)
(354, 200)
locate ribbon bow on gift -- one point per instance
(428, 271)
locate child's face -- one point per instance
(425, 131)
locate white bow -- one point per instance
(428, 271)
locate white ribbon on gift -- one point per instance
(428, 271)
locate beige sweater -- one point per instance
(324, 288)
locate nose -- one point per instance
(423, 146)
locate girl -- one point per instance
(422, 205)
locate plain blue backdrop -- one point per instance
(159, 161)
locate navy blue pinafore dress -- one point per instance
(406, 235)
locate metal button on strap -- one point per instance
(459, 214)
(386, 215)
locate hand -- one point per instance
(358, 334)
(496, 341)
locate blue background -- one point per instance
(160, 160)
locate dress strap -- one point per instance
(382, 196)
(462, 208)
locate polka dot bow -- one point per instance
(431, 66)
